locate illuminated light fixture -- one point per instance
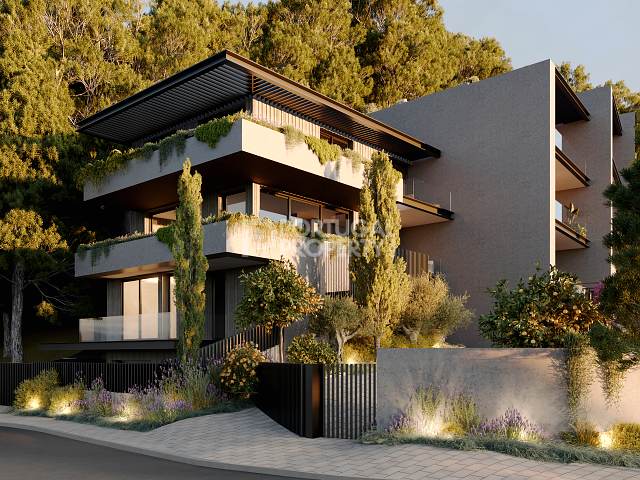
(605, 439)
(34, 403)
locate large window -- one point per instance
(140, 299)
(159, 220)
(305, 214)
(335, 221)
(235, 202)
(274, 207)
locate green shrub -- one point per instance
(212, 131)
(238, 374)
(35, 393)
(292, 136)
(462, 415)
(65, 400)
(359, 350)
(308, 349)
(626, 436)
(324, 150)
(539, 312)
(582, 433)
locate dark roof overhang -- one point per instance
(227, 80)
(617, 124)
(569, 108)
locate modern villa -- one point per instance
(255, 170)
(520, 158)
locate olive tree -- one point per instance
(339, 318)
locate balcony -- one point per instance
(568, 174)
(122, 328)
(228, 244)
(415, 208)
(571, 232)
(248, 153)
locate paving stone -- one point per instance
(264, 443)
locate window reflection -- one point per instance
(305, 214)
(335, 221)
(235, 202)
(272, 207)
(159, 220)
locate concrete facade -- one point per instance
(590, 144)
(498, 166)
(530, 380)
(497, 163)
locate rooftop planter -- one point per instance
(234, 234)
(233, 135)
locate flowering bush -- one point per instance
(539, 312)
(308, 349)
(35, 393)
(151, 405)
(238, 374)
(511, 425)
(97, 401)
(188, 382)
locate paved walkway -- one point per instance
(250, 441)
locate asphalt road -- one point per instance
(26, 455)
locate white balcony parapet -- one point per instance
(146, 326)
(246, 137)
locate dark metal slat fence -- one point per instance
(117, 377)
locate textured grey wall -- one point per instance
(497, 379)
(624, 146)
(497, 139)
(590, 146)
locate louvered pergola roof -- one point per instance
(227, 79)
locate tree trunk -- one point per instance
(340, 342)
(378, 342)
(17, 291)
(6, 329)
(281, 344)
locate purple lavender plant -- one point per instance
(512, 425)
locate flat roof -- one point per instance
(225, 81)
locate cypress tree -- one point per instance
(381, 284)
(185, 242)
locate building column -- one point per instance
(253, 199)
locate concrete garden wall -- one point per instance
(497, 378)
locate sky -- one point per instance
(602, 35)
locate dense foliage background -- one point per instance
(61, 60)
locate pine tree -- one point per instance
(381, 285)
(312, 42)
(26, 249)
(621, 294)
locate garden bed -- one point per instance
(142, 425)
(544, 451)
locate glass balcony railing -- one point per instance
(558, 140)
(571, 217)
(147, 326)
